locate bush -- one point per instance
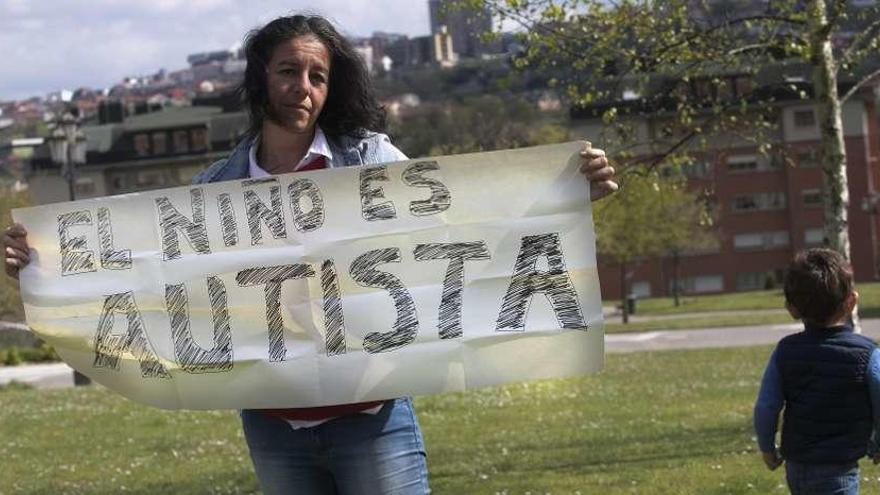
(13, 357)
(476, 124)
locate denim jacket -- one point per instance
(347, 151)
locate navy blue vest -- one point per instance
(828, 416)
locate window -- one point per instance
(697, 170)
(814, 237)
(84, 186)
(750, 280)
(641, 289)
(811, 197)
(199, 139)
(758, 202)
(703, 89)
(742, 85)
(750, 163)
(724, 89)
(185, 175)
(761, 240)
(745, 163)
(698, 284)
(759, 280)
(807, 159)
(160, 143)
(181, 142)
(120, 182)
(805, 119)
(747, 241)
(149, 179)
(142, 145)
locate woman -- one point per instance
(312, 106)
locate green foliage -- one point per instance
(14, 355)
(476, 124)
(761, 307)
(652, 214)
(697, 70)
(467, 79)
(696, 322)
(758, 300)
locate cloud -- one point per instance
(72, 43)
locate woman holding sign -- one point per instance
(312, 106)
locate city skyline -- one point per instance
(67, 44)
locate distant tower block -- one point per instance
(443, 48)
(464, 26)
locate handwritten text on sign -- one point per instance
(325, 287)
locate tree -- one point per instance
(707, 67)
(687, 226)
(649, 216)
(482, 123)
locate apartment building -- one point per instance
(150, 150)
(767, 206)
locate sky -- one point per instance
(48, 45)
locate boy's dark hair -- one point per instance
(351, 106)
(817, 283)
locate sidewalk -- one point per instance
(609, 312)
(47, 375)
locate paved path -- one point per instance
(49, 375)
(713, 337)
(57, 375)
(677, 316)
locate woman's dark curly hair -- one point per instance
(351, 106)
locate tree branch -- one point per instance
(749, 48)
(837, 8)
(863, 39)
(729, 24)
(861, 82)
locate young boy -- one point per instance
(827, 379)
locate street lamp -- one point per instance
(67, 145)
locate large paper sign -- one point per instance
(325, 287)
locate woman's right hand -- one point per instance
(16, 248)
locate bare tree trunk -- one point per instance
(831, 134)
(831, 130)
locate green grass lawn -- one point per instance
(613, 325)
(743, 301)
(652, 423)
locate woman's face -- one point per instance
(297, 77)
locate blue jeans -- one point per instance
(822, 479)
(380, 453)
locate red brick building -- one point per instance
(768, 208)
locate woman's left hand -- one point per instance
(595, 167)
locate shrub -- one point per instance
(13, 357)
